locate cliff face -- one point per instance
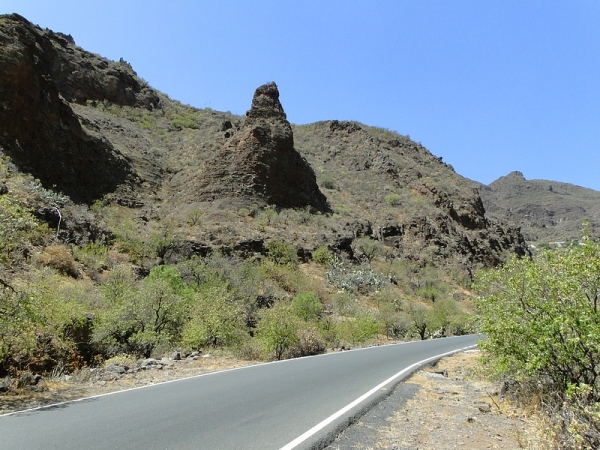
(39, 129)
(92, 129)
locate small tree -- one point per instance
(323, 256)
(281, 252)
(541, 317)
(307, 306)
(217, 318)
(542, 324)
(277, 330)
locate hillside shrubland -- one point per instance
(71, 305)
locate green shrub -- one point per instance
(59, 258)
(323, 256)
(327, 181)
(217, 319)
(283, 276)
(18, 229)
(265, 217)
(277, 330)
(419, 317)
(368, 247)
(281, 252)
(307, 306)
(361, 328)
(542, 323)
(393, 199)
(138, 316)
(187, 121)
(39, 323)
(541, 317)
(194, 217)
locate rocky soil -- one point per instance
(449, 406)
(32, 391)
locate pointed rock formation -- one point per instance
(259, 162)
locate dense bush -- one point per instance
(542, 322)
(18, 229)
(137, 317)
(307, 306)
(281, 252)
(323, 256)
(277, 330)
(361, 328)
(327, 181)
(217, 318)
(39, 321)
(59, 258)
(393, 199)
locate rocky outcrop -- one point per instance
(81, 76)
(39, 129)
(259, 162)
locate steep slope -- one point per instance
(41, 70)
(546, 211)
(91, 129)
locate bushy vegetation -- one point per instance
(131, 295)
(542, 324)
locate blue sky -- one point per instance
(491, 86)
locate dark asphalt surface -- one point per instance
(258, 407)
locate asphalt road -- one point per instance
(283, 405)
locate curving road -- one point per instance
(290, 404)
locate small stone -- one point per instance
(471, 419)
(485, 408)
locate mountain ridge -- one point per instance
(546, 211)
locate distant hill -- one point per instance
(547, 211)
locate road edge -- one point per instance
(325, 432)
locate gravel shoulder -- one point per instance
(448, 406)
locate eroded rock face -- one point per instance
(259, 162)
(39, 130)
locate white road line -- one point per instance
(324, 423)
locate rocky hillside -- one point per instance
(546, 211)
(133, 225)
(91, 129)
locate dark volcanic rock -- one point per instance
(39, 130)
(260, 163)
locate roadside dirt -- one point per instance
(82, 384)
(449, 406)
